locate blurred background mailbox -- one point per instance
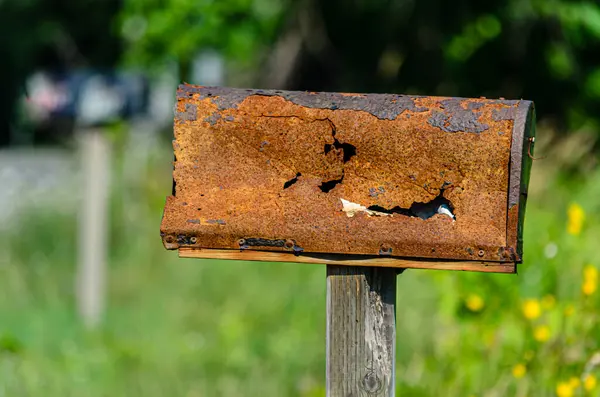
(357, 179)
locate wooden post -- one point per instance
(361, 331)
(93, 234)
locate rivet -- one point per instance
(193, 240)
(385, 250)
(481, 253)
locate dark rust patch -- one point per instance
(504, 114)
(189, 114)
(213, 118)
(456, 118)
(262, 242)
(288, 244)
(382, 106)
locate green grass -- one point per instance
(183, 327)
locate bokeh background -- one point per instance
(174, 327)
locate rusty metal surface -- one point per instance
(275, 171)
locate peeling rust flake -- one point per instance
(330, 173)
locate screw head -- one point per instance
(385, 250)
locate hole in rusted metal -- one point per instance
(326, 186)
(439, 205)
(169, 239)
(292, 181)
(348, 150)
(395, 210)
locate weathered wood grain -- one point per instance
(361, 331)
(356, 260)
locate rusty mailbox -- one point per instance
(357, 179)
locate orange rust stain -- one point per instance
(232, 163)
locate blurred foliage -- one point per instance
(159, 31)
(197, 328)
(57, 35)
(544, 50)
(176, 327)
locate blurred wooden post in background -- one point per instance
(92, 239)
(361, 331)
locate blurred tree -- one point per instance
(160, 31)
(545, 50)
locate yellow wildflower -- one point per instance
(474, 302)
(589, 383)
(588, 287)
(590, 273)
(576, 216)
(531, 309)
(564, 389)
(519, 371)
(569, 310)
(548, 302)
(541, 333)
(574, 382)
(590, 280)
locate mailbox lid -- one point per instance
(349, 174)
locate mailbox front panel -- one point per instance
(352, 174)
